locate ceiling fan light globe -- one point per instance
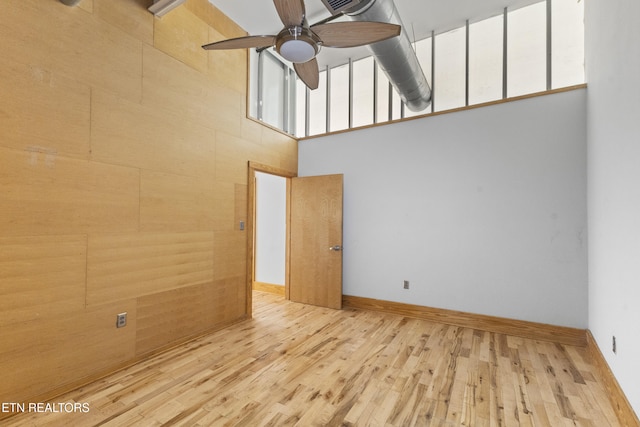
(297, 51)
(297, 44)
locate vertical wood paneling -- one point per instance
(231, 157)
(130, 16)
(114, 192)
(240, 205)
(251, 130)
(41, 110)
(41, 277)
(230, 252)
(43, 193)
(39, 355)
(184, 92)
(125, 266)
(283, 148)
(224, 206)
(181, 34)
(166, 317)
(265, 146)
(234, 290)
(228, 66)
(175, 203)
(129, 134)
(71, 42)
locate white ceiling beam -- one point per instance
(162, 7)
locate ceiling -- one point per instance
(419, 18)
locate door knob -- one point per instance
(335, 248)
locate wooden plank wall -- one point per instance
(123, 177)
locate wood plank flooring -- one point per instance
(295, 364)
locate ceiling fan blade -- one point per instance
(242, 43)
(357, 33)
(308, 73)
(291, 11)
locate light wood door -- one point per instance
(316, 241)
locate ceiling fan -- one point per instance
(299, 43)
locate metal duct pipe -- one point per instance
(395, 56)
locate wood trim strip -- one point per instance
(453, 110)
(265, 124)
(520, 328)
(260, 167)
(287, 249)
(625, 413)
(269, 287)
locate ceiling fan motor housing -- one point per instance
(297, 44)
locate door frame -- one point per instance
(251, 228)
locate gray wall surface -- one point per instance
(483, 210)
(613, 67)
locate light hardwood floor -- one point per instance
(295, 364)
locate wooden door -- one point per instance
(316, 241)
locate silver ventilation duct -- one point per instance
(395, 56)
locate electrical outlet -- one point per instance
(614, 346)
(121, 320)
(406, 284)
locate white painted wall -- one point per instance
(271, 228)
(613, 70)
(483, 211)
